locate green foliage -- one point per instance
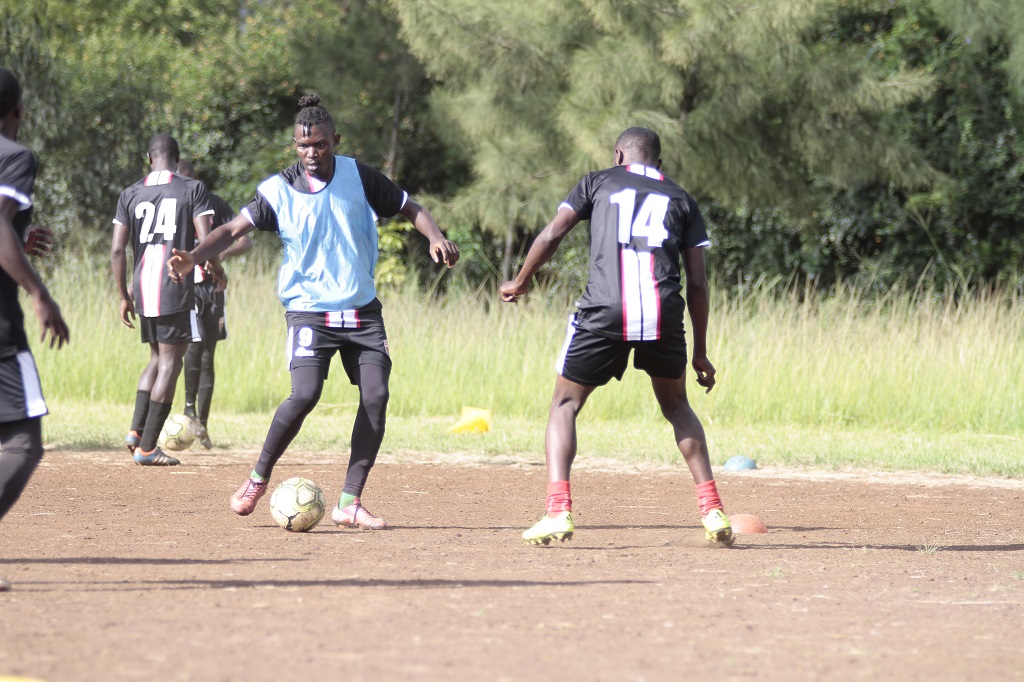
(970, 129)
(825, 139)
(917, 359)
(760, 106)
(193, 68)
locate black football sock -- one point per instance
(154, 422)
(141, 410)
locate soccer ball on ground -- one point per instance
(298, 504)
(178, 434)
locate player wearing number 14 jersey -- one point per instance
(642, 225)
(161, 212)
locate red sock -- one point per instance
(559, 499)
(707, 497)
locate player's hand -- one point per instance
(705, 372)
(38, 240)
(179, 265)
(220, 277)
(511, 291)
(444, 250)
(222, 282)
(127, 311)
(50, 320)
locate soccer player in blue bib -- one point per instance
(324, 209)
(641, 225)
(21, 396)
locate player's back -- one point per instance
(640, 222)
(160, 210)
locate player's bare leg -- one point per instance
(560, 452)
(693, 445)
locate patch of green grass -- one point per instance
(1018, 575)
(928, 548)
(775, 573)
(97, 425)
(910, 381)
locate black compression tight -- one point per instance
(21, 448)
(367, 432)
(307, 385)
(199, 377)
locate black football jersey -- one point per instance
(17, 178)
(640, 222)
(222, 213)
(159, 210)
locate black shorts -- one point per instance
(180, 327)
(210, 309)
(593, 360)
(313, 338)
(21, 395)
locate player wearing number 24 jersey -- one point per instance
(157, 214)
(159, 210)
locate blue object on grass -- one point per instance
(739, 463)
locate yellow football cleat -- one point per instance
(547, 529)
(717, 528)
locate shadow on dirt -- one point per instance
(140, 560)
(922, 548)
(200, 584)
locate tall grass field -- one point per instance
(909, 380)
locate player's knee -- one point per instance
(374, 396)
(304, 398)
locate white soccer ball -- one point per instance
(178, 434)
(298, 504)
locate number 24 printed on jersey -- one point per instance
(649, 221)
(163, 216)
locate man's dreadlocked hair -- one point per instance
(312, 114)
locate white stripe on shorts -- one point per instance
(193, 318)
(35, 406)
(569, 332)
(288, 347)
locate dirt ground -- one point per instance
(123, 573)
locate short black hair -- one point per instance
(642, 142)
(165, 146)
(186, 168)
(312, 114)
(10, 91)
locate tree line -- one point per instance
(824, 139)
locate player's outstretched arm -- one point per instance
(441, 249)
(181, 263)
(698, 303)
(15, 263)
(542, 250)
